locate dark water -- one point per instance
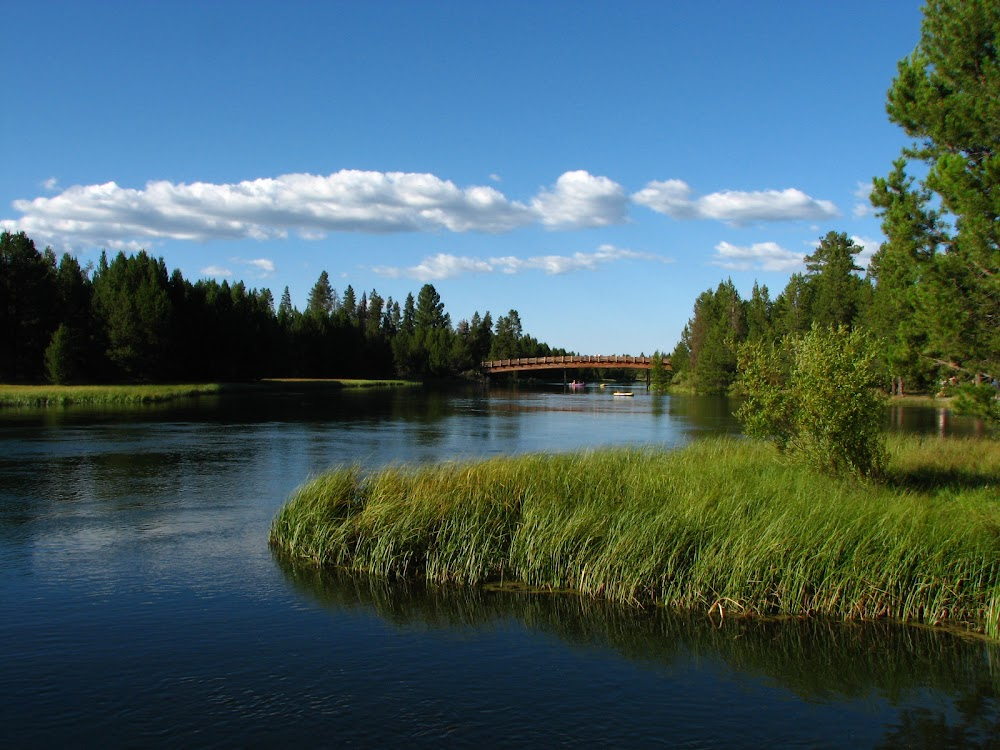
(142, 606)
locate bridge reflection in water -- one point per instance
(573, 362)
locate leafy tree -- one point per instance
(816, 396)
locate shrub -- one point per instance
(815, 396)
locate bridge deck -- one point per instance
(603, 362)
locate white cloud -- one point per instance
(674, 198)
(262, 264)
(216, 271)
(112, 216)
(311, 205)
(864, 206)
(50, 185)
(761, 256)
(436, 267)
(580, 200)
(444, 266)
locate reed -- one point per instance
(98, 395)
(722, 526)
(66, 395)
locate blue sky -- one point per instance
(593, 165)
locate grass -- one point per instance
(66, 395)
(722, 527)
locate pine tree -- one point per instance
(946, 96)
(837, 289)
(320, 302)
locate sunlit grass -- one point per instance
(722, 526)
(65, 395)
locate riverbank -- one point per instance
(66, 395)
(722, 526)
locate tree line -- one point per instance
(130, 319)
(931, 294)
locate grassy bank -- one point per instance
(66, 395)
(720, 527)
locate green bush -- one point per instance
(816, 396)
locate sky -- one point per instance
(593, 165)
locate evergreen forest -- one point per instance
(132, 320)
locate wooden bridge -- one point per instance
(573, 362)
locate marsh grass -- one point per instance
(67, 395)
(722, 527)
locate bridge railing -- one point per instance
(573, 360)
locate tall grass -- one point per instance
(722, 526)
(65, 395)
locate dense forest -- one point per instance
(931, 294)
(131, 320)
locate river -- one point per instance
(143, 608)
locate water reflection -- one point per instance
(818, 661)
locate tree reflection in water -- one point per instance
(817, 660)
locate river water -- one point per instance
(143, 608)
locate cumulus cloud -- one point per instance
(675, 199)
(263, 265)
(581, 200)
(864, 205)
(309, 205)
(761, 256)
(444, 266)
(216, 271)
(261, 268)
